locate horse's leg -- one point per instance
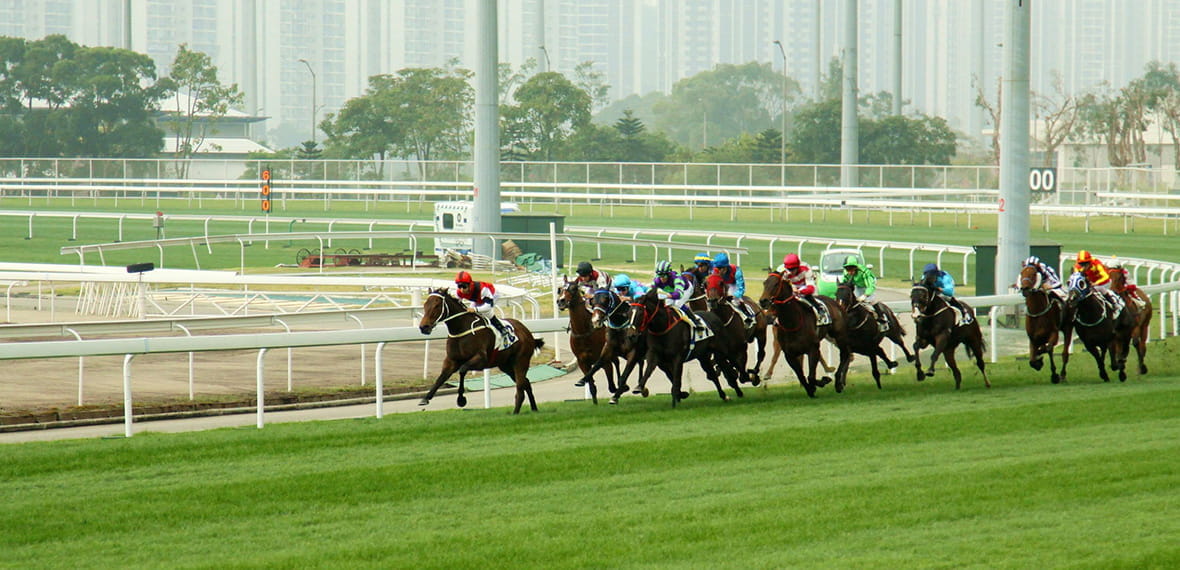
(941, 347)
(842, 368)
(649, 366)
(760, 343)
(520, 377)
(710, 368)
(675, 373)
(976, 341)
(1065, 351)
(954, 366)
(776, 351)
(1053, 376)
(918, 361)
(1099, 354)
(449, 367)
(796, 363)
(897, 336)
(873, 367)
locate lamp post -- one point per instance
(313, 109)
(548, 64)
(783, 131)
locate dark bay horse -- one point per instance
(1098, 330)
(731, 342)
(586, 340)
(1141, 315)
(670, 344)
(623, 339)
(934, 325)
(471, 345)
(798, 334)
(863, 333)
(755, 333)
(1044, 319)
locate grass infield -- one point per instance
(1026, 474)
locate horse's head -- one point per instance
(715, 290)
(435, 308)
(569, 294)
(845, 294)
(920, 297)
(1118, 277)
(775, 289)
(1079, 288)
(1029, 278)
(603, 304)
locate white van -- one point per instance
(456, 217)
(831, 269)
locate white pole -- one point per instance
(487, 388)
(259, 376)
(127, 394)
(553, 284)
(380, 380)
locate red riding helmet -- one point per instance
(791, 261)
(463, 277)
(1085, 257)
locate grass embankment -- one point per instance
(1023, 475)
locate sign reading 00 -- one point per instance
(1042, 179)
(265, 190)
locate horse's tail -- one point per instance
(537, 344)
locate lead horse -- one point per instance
(935, 325)
(471, 345)
(1045, 317)
(799, 335)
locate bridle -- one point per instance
(608, 314)
(445, 315)
(928, 298)
(774, 294)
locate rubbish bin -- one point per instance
(985, 263)
(535, 223)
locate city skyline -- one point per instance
(640, 46)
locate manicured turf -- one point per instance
(1026, 474)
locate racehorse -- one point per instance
(622, 338)
(1099, 331)
(1045, 318)
(670, 344)
(731, 337)
(471, 345)
(586, 340)
(799, 335)
(696, 298)
(934, 325)
(755, 333)
(864, 334)
(1142, 315)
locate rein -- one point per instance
(445, 316)
(649, 317)
(1050, 301)
(1077, 317)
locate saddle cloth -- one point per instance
(504, 338)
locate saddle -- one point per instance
(505, 335)
(700, 329)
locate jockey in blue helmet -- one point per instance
(735, 284)
(940, 281)
(626, 288)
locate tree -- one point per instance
(723, 102)
(549, 108)
(894, 139)
(111, 114)
(1059, 113)
(201, 100)
(993, 111)
(423, 113)
(593, 82)
(509, 80)
(815, 138)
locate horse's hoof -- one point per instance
(1055, 379)
(891, 365)
(423, 401)
(1142, 369)
(637, 391)
(921, 376)
(645, 392)
(754, 378)
(622, 388)
(580, 383)
(1036, 364)
(684, 396)
(911, 358)
(462, 401)
(839, 385)
(823, 382)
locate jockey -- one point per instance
(801, 279)
(702, 266)
(942, 282)
(864, 285)
(1126, 286)
(1050, 281)
(626, 288)
(480, 297)
(735, 284)
(591, 279)
(673, 288)
(1098, 276)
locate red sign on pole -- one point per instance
(265, 193)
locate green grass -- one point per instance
(917, 475)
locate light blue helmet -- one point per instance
(621, 281)
(702, 258)
(722, 260)
(930, 267)
(664, 267)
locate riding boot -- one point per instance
(882, 320)
(962, 310)
(742, 309)
(821, 315)
(495, 321)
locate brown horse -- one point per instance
(754, 333)
(799, 335)
(697, 301)
(670, 344)
(586, 340)
(1142, 315)
(1098, 330)
(864, 334)
(732, 344)
(1045, 318)
(471, 345)
(934, 325)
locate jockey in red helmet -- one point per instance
(480, 296)
(802, 279)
